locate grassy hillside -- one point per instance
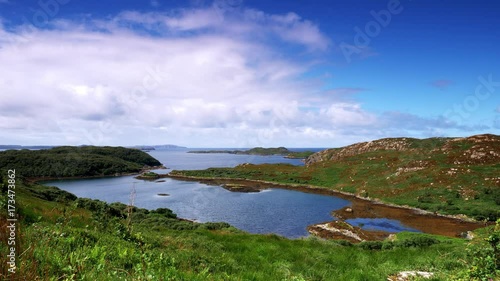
(75, 161)
(449, 176)
(64, 238)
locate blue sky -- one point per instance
(236, 73)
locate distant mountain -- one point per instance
(168, 147)
(143, 147)
(14, 146)
(140, 147)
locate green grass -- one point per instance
(87, 239)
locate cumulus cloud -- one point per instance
(188, 77)
(73, 78)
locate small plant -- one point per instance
(484, 257)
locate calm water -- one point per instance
(280, 211)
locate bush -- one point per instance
(483, 257)
(389, 245)
(51, 193)
(417, 242)
(488, 214)
(371, 245)
(165, 213)
(215, 225)
(344, 243)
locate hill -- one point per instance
(82, 161)
(479, 149)
(444, 175)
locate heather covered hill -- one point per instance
(475, 149)
(444, 175)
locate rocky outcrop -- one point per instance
(235, 187)
(479, 149)
(334, 154)
(410, 275)
(337, 230)
(341, 230)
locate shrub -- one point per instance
(417, 242)
(483, 257)
(51, 193)
(165, 213)
(389, 245)
(371, 245)
(344, 243)
(488, 214)
(215, 225)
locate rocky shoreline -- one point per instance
(427, 222)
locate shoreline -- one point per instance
(422, 220)
(361, 207)
(41, 179)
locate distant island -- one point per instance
(157, 147)
(262, 151)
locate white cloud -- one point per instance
(246, 23)
(184, 78)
